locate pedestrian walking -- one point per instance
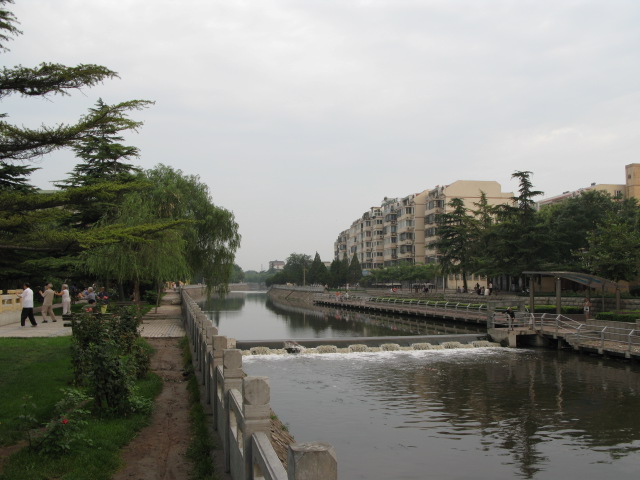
(66, 299)
(47, 304)
(27, 306)
(586, 308)
(512, 316)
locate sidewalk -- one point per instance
(167, 323)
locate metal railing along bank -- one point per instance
(576, 333)
(241, 410)
(443, 304)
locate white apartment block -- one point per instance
(400, 229)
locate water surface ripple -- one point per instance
(481, 413)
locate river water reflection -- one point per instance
(252, 316)
(469, 413)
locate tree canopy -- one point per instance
(109, 219)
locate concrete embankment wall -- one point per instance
(294, 295)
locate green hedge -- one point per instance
(630, 317)
(566, 309)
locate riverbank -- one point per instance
(294, 295)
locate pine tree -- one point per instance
(317, 271)
(103, 157)
(355, 270)
(456, 237)
(15, 177)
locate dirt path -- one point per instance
(159, 451)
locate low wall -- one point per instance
(241, 410)
(10, 307)
(294, 295)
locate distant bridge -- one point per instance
(616, 339)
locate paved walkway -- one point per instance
(166, 322)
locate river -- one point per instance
(491, 413)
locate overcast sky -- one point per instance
(301, 114)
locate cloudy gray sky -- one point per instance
(302, 114)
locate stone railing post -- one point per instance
(203, 322)
(208, 380)
(312, 461)
(256, 412)
(220, 344)
(233, 375)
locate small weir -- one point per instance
(296, 348)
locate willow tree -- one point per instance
(192, 238)
(154, 257)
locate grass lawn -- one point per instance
(40, 367)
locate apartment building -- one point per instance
(364, 239)
(401, 228)
(437, 203)
(629, 189)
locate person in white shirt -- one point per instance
(66, 299)
(27, 306)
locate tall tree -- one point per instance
(154, 258)
(455, 243)
(31, 224)
(192, 238)
(355, 270)
(103, 161)
(20, 143)
(516, 243)
(567, 226)
(338, 272)
(614, 246)
(317, 271)
(103, 156)
(485, 217)
(296, 268)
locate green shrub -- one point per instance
(65, 430)
(107, 356)
(565, 309)
(630, 317)
(151, 297)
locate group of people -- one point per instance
(488, 290)
(48, 294)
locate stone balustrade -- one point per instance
(10, 307)
(10, 301)
(242, 412)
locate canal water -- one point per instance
(484, 413)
